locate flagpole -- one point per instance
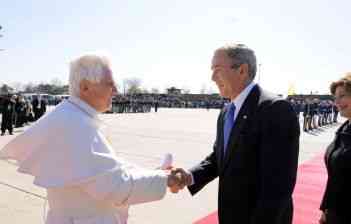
(0, 37)
(259, 73)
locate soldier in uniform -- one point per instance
(307, 116)
(322, 112)
(315, 112)
(330, 112)
(335, 113)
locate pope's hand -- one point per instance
(178, 178)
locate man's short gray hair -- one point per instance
(241, 54)
(86, 67)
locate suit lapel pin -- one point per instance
(244, 117)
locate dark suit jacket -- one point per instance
(43, 104)
(8, 109)
(258, 173)
(337, 196)
(35, 104)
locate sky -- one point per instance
(300, 44)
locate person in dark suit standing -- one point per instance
(8, 112)
(255, 153)
(39, 106)
(156, 105)
(43, 104)
(335, 204)
(36, 106)
(20, 110)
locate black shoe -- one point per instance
(11, 133)
(2, 134)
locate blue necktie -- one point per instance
(228, 124)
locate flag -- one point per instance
(291, 89)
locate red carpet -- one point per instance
(311, 179)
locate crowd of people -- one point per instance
(145, 102)
(18, 111)
(316, 113)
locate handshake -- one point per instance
(178, 178)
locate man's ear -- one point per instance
(244, 71)
(84, 87)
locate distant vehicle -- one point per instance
(63, 96)
(59, 98)
(50, 99)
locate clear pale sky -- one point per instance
(170, 43)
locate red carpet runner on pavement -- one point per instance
(309, 189)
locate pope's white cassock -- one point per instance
(86, 183)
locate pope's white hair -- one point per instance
(87, 67)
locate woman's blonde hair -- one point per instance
(344, 82)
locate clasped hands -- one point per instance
(178, 178)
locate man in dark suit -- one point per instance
(8, 112)
(42, 110)
(156, 105)
(36, 107)
(255, 154)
